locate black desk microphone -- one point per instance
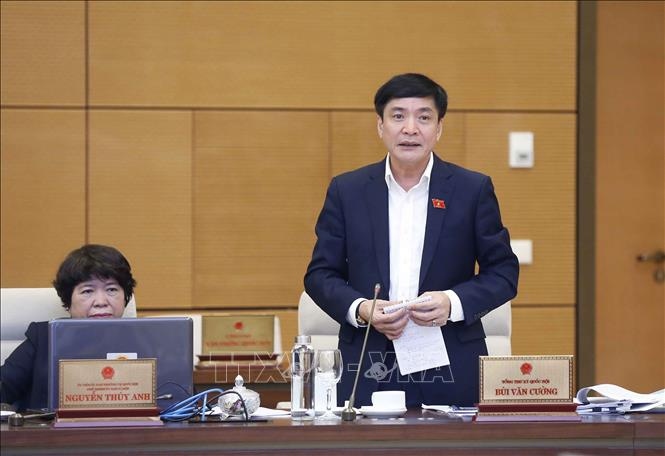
(18, 419)
(349, 414)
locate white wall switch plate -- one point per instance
(520, 149)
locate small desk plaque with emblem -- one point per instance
(526, 388)
(106, 391)
(237, 339)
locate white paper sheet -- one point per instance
(264, 412)
(420, 348)
(610, 394)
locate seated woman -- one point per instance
(94, 281)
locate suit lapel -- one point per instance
(441, 188)
(377, 207)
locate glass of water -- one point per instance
(329, 373)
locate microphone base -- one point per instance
(16, 419)
(348, 414)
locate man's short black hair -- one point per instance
(411, 85)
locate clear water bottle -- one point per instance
(302, 379)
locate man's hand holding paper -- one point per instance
(392, 324)
(430, 312)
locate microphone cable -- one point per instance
(172, 392)
(198, 405)
(191, 407)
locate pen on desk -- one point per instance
(606, 410)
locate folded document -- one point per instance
(615, 399)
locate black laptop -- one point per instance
(167, 339)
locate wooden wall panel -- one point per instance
(630, 194)
(259, 182)
(503, 55)
(536, 203)
(43, 193)
(140, 198)
(43, 51)
(543, 331)
(355, 141)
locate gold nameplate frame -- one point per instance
(107, 384)
(226, 334)
(526, 379)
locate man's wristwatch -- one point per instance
(360, 320)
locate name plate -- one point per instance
(238, 334)
(107, 384)
(524, 379)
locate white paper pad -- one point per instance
(405, 303)
(263, 412)
(420, 348)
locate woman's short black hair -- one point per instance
(411, 85)
(93, 261)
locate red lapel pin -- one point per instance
(438, 204)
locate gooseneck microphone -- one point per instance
(349, 414)
(17, 419)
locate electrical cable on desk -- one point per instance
(198, 405)
(190, 407)
(169, 393)
(165, 384)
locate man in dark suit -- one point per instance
(417, 226)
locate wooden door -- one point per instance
(630, 194)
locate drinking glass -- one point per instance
(329, 371)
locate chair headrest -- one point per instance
(314, 321)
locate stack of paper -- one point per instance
(615, 399)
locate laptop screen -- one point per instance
(168, 339)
